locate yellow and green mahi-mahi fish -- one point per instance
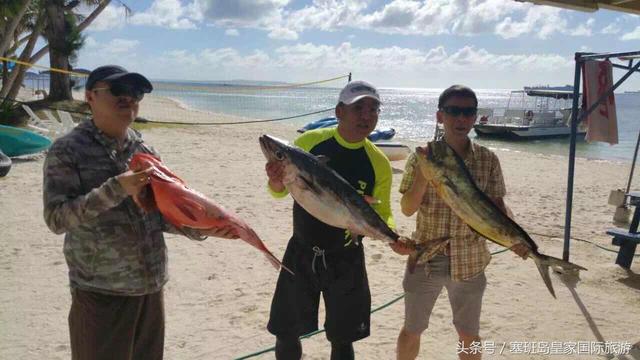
(446, 171)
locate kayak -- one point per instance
(376, 135)
(5, 164)
(382, 134)
(394, 151)
(17, 141)
(325, 122)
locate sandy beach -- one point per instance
(218, 298)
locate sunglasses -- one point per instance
(118, 89)
(457, 110)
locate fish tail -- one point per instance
(277, 263)
(430, 248)
(255, 240)
(543, 269)
(544, 261)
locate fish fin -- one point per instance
(309, 185)
(188, 207)
(323, 159)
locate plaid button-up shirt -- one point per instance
(468, 251)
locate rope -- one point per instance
(583, 240)
(141, 120)
(145, 121)
(2, 58)
(223, 88)
(305, 336)
(402, 296)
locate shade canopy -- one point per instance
(629, 6)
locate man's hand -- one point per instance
(225, 232)
(275, 172)
(132, 182)
(522, 250)
(401, 248)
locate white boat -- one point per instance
(393, 150)
(535, 112)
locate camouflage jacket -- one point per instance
(111, 246)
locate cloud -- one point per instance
(612, 28)
(241, 12)
(507, 19)
(437, 66)
(167, 13)
(283, 34)
(214, 59)
(584, 29)
(114, 46)
(542, 21)
(232, 32)
(120, 46)
(633, 35)
(112, 17)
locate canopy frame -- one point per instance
(580, 59)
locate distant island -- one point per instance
(235, 82)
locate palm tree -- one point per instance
(57, 22)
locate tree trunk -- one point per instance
(83, 25)
(12, 86)
(5, 41)
(59, 88)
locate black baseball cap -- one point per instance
(111, 73)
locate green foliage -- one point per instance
(74, 40)
(7, 112)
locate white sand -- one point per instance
(219, 295)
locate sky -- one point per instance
(488, 44)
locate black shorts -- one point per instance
(345, 290)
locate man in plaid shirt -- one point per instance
(460, 265)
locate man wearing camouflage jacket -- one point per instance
(115, 252)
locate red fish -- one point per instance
(185, 207)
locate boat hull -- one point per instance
(522, 132)
(394, 151)
(17, 141)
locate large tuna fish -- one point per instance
(326, 195)
(185, 207)
(446, 171)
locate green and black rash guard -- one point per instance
(363, 165)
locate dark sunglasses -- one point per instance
(457, 110)
(118, 89)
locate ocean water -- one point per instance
(411, 112)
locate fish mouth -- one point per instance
(272, 147)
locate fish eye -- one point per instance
(279, 155)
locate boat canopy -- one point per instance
(556, 93)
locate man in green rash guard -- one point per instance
(327, 259)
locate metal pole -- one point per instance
(633, 165)
(572, 157)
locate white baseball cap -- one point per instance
(357, 90)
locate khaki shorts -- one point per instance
(425, 284)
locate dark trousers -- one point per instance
(116, 327)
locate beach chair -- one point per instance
(49, 126)
(67, 121)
